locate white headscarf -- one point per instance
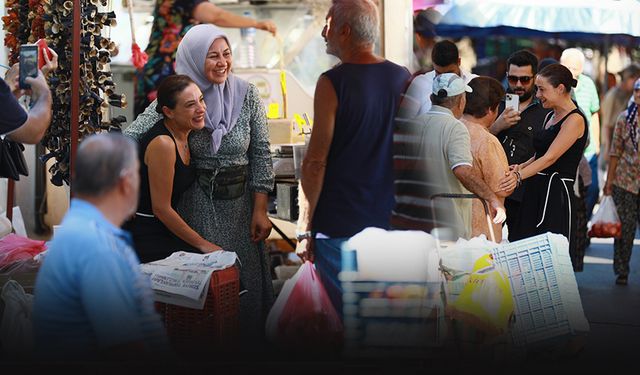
(224, 101)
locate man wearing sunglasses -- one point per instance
(514, 129)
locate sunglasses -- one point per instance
(523, 79)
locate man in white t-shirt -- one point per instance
(446, 59)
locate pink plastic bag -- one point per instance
(14, 248)
(308, 318)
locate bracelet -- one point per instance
(519, 180)
(303, 235)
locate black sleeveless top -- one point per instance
(151, 238)
(567, 164)
(184, 175)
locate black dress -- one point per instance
(548, 203)
(151, 238)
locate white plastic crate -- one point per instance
(389, 318)
(546, 298)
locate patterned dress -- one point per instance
(227, 223)
(171, 20)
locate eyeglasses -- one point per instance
(523, 79)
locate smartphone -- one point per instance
(28, 63)
(513, 101)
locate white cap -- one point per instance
(451, 83)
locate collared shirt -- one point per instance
(417, 99)
(628, 169)
(443, 143)
(90, 294)
(517, 141)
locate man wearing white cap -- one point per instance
(439, 144)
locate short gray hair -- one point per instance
(100, 162)
(361, 15)
(447, 101)
(573, 55)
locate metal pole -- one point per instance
(75, 85)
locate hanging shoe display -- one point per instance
(26, 21)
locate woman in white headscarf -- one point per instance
(228, 203)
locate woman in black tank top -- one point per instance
(166, 172)
(549, 203)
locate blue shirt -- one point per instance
(90, 293)
(358, 185)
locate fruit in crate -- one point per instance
(605, 229)
(376, 293)
(414, 291)
(394, 291)
(409, 291)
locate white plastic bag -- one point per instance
(16, 330)
(606, 222)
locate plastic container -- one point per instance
(389, 319)
(193, 331)
(248, 45)
(544, 288)
(299, 151)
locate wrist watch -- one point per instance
(303, 235)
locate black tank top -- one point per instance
(184, 175)
(567, 164)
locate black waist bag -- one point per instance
(228, 183)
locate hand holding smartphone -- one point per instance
(28, 64)
(512, 101)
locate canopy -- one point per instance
(593, 20)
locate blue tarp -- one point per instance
(565, 19)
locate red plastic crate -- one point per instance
(213, 326)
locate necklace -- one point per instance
(184, 146)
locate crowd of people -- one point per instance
(194, 170)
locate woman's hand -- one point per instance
(260, 226)
(209, 247)
(267, 26)
(608, 188)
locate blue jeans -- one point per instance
(328, 261)
(593, 190)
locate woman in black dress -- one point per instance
(166, 172)
(549, 203)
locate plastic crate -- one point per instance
(546, 299)
(194, 331)
(389, 319)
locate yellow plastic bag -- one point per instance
(485, 301)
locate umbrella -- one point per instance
(593, 20)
